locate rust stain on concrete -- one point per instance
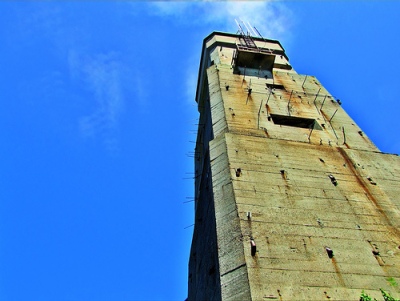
(338, 273)
(370, 196)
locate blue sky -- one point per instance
(98, 119)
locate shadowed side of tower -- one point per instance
(292, 200)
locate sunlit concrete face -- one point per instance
(293, 201)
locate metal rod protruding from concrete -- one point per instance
(312, 128)
(288, 105)
(259, 111)
(333, 115)
(316, 96)
(270, 92)
(315, 99)
(344, 136)
(248, 92)
(322, 103)
(304, 82)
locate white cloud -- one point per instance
(102, 76)
(271, 18)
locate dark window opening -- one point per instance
(300, 122)
(275, 86)
(253, 62)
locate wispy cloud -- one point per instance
(272, 18)
(101, 74)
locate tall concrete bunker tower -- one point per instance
(292, 200)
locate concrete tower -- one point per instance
(292, 200)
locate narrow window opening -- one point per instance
(300, 122)
(275, 86)
(252, 62)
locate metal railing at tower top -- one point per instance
(241, 47)
(246, 41)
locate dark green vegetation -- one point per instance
(386, 297)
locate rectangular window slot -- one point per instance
(253, 62)
(275, 86)
(300, 122)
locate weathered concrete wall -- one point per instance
(204, 274)
(298, 193)
(296, 212)
(248, 113)
(233, 270)
(204, 279)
